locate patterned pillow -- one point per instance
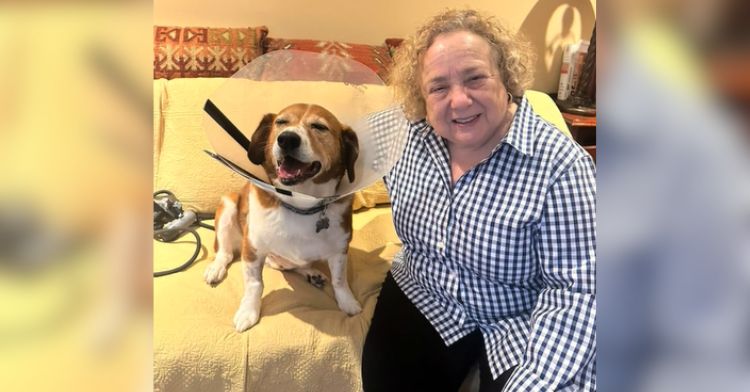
(190, 52)
(376, 58)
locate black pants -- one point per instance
(402, 351)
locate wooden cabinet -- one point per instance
(583, 129)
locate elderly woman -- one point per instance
(495, 208)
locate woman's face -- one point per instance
(466, 101)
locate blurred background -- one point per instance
(673, 100)
(75, 233)
(673, 196)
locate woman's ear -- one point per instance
(257, 149)
(349, 150)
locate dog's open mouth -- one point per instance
(292, 171)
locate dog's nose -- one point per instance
(288, 141)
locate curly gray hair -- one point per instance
(511, 54)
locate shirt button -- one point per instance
(441, 245)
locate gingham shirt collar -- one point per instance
(520, 136)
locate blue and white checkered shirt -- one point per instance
(509, 249)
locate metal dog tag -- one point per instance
(321, 224)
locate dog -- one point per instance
(304, 148)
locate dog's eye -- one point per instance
(318, 126)
(281, 122)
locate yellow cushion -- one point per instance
(371, 196)
(545, 107)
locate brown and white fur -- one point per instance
(305, 149)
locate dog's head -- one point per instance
(304, 146)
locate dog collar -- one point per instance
(321, 224)
(308, 211)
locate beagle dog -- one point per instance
(304, 149)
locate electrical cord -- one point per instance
(205, 216)
(190, 260)
(171, 223)
(205, 225)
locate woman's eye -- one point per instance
(476, 80)
(437, 89)
(318, 127)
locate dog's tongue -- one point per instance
(290, 168)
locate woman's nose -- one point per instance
(459, 97)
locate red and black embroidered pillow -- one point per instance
(190, 52)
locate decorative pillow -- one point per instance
(190, 52)
(376, 58)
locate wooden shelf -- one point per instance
(583, 130)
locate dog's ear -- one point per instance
(257, 150)
(349, 150)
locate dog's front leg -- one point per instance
(341, 290)
(228, 239)
(252, 267)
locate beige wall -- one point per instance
(547, 24)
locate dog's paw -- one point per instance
(215, 273)
(317, 279)
(349, 306)
(245, 318)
